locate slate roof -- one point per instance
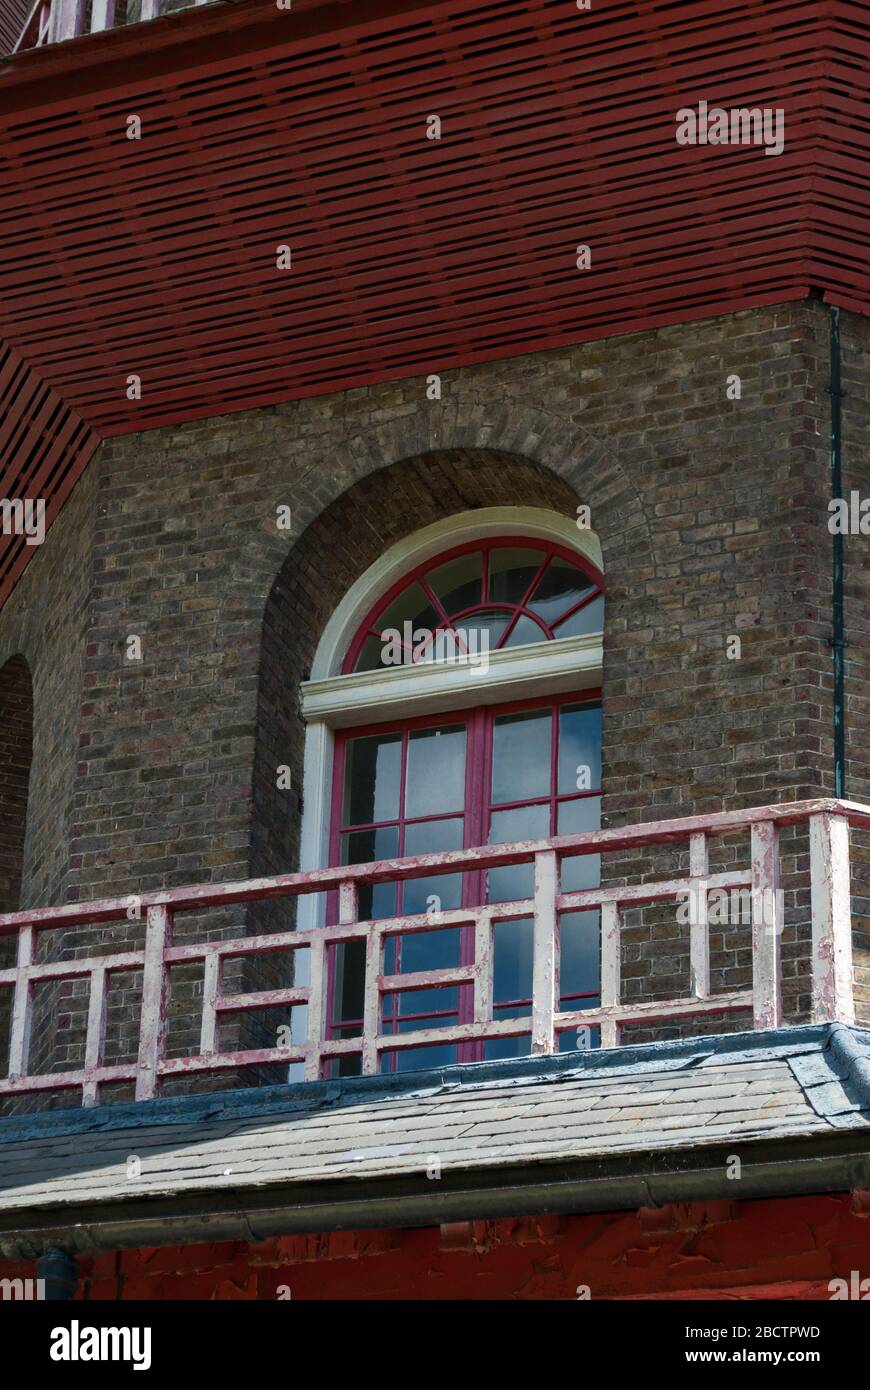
(577, 1131)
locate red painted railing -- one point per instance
(828, 822)
(52, 21)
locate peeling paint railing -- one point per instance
(828, 822)
(52, 21)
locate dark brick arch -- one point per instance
(338, 547)
(592, 471)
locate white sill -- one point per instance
(541, 668)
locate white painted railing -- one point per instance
(832, 994)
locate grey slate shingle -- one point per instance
(633, 1101)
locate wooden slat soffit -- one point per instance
(44, 447)
(157, 257)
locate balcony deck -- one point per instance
(600, 1131)
(828, 823)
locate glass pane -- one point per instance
(560, 588)
(438, 892)
(372, 779)
(436, 772)
(523, 632)
(579, 959)
(582, 870)
(579, 748)
(435, 950)
(494, 1049)
(348, 985)
(457, 585)
(411, 607)
(512, 964)
(413, 1003)
(350, 1065)
(521, 756)
(482, 632)
(370, 655)
(362, 847)
(588, 619)
(418, 1058)
(574, 1041)
(443, 646)
(511, 572)
(515, 881)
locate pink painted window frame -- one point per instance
(550, 549)
(476, 812)
(480, 723)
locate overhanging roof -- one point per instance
(603, 1131)
(261, 128)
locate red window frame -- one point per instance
(476, 812)
(549, 549)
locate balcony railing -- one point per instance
(52, 21)
(832, 997)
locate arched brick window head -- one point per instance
(493, 769)
(493, 595)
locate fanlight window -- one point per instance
(504, 593)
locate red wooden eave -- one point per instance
(307, 127)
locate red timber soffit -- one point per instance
(156, 258)
(44, 448)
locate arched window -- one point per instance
(465, 710)
(499, 593)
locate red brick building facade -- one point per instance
(165, 653)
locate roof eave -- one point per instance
(790, 1166)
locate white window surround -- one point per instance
(333, 701)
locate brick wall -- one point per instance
(712, 517)
(856, 476)
(44, 626)
(16, 749)
(782, 1248)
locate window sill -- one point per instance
(541, 668)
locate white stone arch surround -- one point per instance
(538, 523)
(331, 701)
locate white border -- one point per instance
(331, 701)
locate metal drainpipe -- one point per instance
(838, 640)
(60, 1272)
